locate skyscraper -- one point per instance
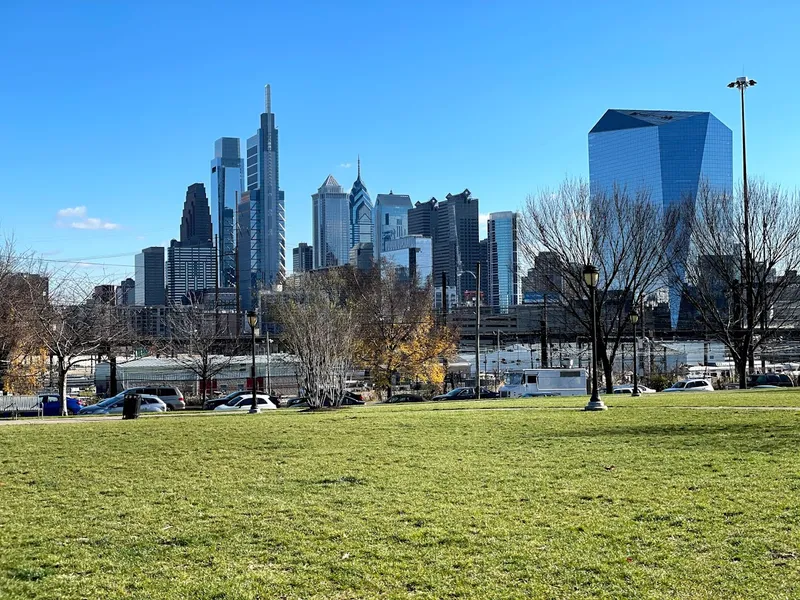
(227, 172)
(422, 218)
(503, 276)
(149, 274)
(390, 220)
(360, 212)
(456, 246)
(302, 258)
(191, 262)
(666, 153)
(266, 226)
(411, 256)
(331, 222)
(196, 219)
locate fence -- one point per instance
(14, 406)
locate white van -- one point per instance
(543, 382)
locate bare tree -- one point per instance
(397, 331)
(199, 341)
(65, 321)
(625, 235)
(716, 273)
(319, 328)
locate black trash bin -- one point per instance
(131, 406)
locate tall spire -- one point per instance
(267, 99)
(359, 166)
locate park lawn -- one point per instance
(426, 501)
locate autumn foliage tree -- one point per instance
(397, 331)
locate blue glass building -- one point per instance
(502, 260)
(666, 153)
(360, 212)
(331, 222)
(389, 220)
(227, 172)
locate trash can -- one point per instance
(131, 406)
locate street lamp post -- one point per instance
(269, 380)
(634, 319)
(252, 319)
(742, 83)
(477, 325)
(590, 277)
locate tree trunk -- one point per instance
(607, 374)
(741, 370)
(62, 386)
(112, 376)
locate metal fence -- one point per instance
(12, 406)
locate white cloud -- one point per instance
(346, 165)
(77, 218)
(77, 211)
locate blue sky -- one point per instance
(115, 106)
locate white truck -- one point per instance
(526, 383)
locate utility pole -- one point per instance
(478, 330)
(543, 327)
(444, 298)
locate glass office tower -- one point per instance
(389, 220)
(503, 276)
(667, 153)
(269, 240)
(331, 222)
(360, 212)
(227, 171)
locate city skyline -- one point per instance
(519, 96)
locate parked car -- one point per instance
(397, 398)
(113, 406)
(348, 399)
(213, 403)
(466, 393)
(246, 402)
(691, 385)
(51, 405)
(627, 388)
(169, 394)
(770, 380)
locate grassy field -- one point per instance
(498, 499)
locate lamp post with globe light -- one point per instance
(633, 317)
(252, 320)
(590, 277)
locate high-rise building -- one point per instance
(389, 220)
(105, 294)
(250, 236)
(411, 256)
(503, 280)
(125, 293)
(422, 218)
(149, 276)
(668, 154)
(191, 262)
(361, 256)
(227, 176)
(456, 247)
(190, 269)
(331, 222)
(196, 219)
(265, 227)
(360, 212)
(302, 258)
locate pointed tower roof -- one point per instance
(330, 181)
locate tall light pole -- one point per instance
(634, 319)
(590, 277)
(252, 320)
(269, 380)
(742, 83)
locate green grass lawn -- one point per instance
(649, 499)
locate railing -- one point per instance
(12, 406)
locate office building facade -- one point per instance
(361, 256)
(196, 218)
(302, 258)
(331, 223)
(502, 260)
(149, 277)
(668, 154)
(422, 218)
(456, 247)
(390, 220)
(263, 264)
(412, 258)
(360, 212)
(227, 177)
(125, 292)
(190, 270)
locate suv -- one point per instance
(170, 395)
(770, 379)
(691, 385)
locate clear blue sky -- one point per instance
(115, 106)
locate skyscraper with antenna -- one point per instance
(262, 230)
